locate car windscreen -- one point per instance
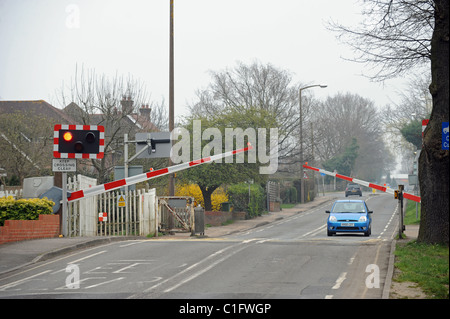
(348, 208)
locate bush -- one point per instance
(24, 209)
(218, 197)
(239, 197)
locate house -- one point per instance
(26, 137)
(29, 140)
(36, 108)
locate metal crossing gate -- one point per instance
(176, 214)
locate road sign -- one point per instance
(102, 217)
(64, 165)
(445, 135)
(121, 202)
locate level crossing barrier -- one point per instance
(96, 190)
(363, 183)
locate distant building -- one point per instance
(31, 140)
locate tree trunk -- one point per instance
(433, 161)
(207, 192)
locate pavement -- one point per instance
(16, 255)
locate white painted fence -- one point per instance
(136, 218)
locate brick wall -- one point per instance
(16, 230)
(217, 218)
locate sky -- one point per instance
(42, 41)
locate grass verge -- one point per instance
(424, 264)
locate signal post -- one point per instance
(69, 143)
(398, 194)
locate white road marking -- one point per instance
(21, 281)
(78, 260)
(339, 281)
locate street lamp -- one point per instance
(302, 188)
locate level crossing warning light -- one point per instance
(68, 137)
(78, 141)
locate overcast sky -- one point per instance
(41, 41)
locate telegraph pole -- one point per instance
(171, 105)
(171, 94)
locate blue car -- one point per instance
(349, 216)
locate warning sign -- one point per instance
(121, 202)
(102, 217)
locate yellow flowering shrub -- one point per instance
(218, 197)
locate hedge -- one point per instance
(24, 209)
(239, 198)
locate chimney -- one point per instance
(145, 111)
(127, 104)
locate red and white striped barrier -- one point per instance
(99, 189)
(363, 183)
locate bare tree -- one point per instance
(395, 37)
(415, 105)
(258, 87)
(24, 144)
(338, 120)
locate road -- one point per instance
(292, 258)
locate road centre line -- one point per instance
(314, 231)
(200, 272)
(188, 269)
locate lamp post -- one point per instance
(302, 188)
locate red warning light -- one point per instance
(67, 136)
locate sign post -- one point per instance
(64, 165)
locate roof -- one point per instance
(37, 108)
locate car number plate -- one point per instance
(347, 224)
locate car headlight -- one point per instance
(333, 219)
(362, 219)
